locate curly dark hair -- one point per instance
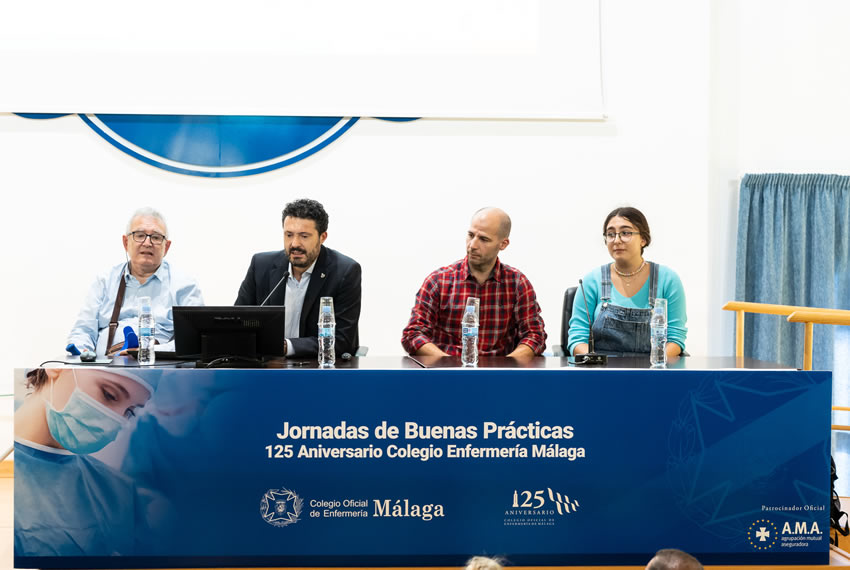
(637, 219)
(308, 210)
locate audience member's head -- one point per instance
(673, 559)
(483, 563)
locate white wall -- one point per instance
(795, 86)
(723, 170)
(400, 194)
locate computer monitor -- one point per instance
(241, 332)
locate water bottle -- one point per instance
(327, 332)
(658, 335)
(469, 333)
(147, 328)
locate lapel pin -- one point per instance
(323, 275)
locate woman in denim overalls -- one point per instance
(624, 291)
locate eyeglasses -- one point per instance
(625, 235)
(140, 237)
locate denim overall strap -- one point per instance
(605, 288)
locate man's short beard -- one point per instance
(308, 261)
(480, 266)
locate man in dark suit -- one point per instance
(311, 271)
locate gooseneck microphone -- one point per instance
(590, 358)
(282, 279)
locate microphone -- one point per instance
(282, 279)
(590, 358)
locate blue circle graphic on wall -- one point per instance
(216, 146)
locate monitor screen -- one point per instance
(209, 333)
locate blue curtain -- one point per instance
(794, 249)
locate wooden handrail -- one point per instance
(741, 307)
(765, 308)
(820, 316)
(795, 314)
(811, 317)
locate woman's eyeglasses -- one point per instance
(625, 235)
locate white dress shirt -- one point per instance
(295, 292)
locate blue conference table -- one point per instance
(418, 462)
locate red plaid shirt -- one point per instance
(508, 312)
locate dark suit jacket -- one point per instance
(335, 275)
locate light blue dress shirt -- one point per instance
(166, 288)
(294, 303)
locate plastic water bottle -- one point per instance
(327, 332)
(147, 328)
(658, 335)
(469, 333)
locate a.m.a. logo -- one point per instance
(801, 528)
(801, 534)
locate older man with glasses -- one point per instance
(112, 302)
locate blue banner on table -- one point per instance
(429, 467)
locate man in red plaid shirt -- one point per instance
(509, 316)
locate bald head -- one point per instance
(487, 236)
(673, 559)
(496, 218)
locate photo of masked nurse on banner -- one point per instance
(69, 500)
